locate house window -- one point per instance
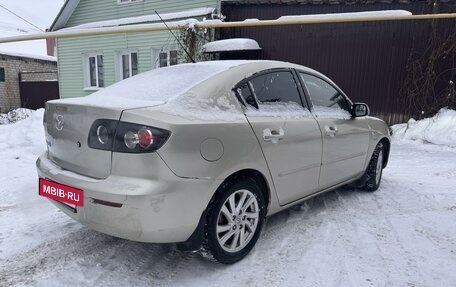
(164, 58)
(2, 74)
(127, 65)
(94, 71)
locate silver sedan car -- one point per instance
(200, 154)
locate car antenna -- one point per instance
(182, 46)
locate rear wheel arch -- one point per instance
(195, 241)
(254, 174)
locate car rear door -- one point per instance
(286, 130)
(345, 139)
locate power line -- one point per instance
(21, 18)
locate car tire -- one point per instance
(234, 221)
(373, 175)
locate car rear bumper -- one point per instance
(162, 209)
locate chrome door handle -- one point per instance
(331, 131)
(273, 136)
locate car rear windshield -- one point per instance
(163, 84)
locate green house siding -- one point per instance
(99, 10)
(72, 51)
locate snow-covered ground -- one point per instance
(402, 235)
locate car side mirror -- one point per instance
(360, 110)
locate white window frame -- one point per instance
(119, 63)
(86, 71)
(156, 55)
(122, 2)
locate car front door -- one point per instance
(286, 130)
(345, 139)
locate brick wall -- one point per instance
(9, 89)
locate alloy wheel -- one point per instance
(237, 220)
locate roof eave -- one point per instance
(64, 14)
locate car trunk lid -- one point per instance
(67, 125)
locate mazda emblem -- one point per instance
(59, 122)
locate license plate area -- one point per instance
(66, 195)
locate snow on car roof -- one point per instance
(166, 83)
(155, 87)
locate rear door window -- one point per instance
(272, 94)
(276, 87)
(246, 95)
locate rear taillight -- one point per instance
(102, 134)
(134, 138)
(126, 137)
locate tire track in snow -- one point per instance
(108, 261)
(132, 258)
(21, 268)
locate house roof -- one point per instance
(29, 56)
(70, 5)
(64, 14)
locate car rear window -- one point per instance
(162, 84)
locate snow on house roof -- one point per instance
(145, 19)
(235, 44)
(30, 56)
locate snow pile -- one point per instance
(235, 44)
(24, 216)
(14, 116)
(439, 130)
(280, 110)
(26, 131)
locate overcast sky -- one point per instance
(40, 13)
